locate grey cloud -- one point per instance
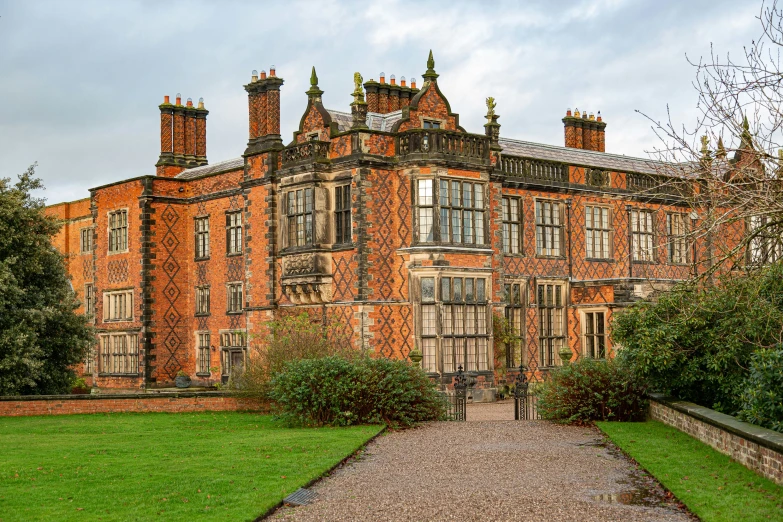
(81, 81)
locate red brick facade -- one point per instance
(396, 278)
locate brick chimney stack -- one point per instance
(263, 93)
(583, 131)
(383, 97)
(183, 136)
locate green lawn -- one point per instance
(158, 466)
(713, 486)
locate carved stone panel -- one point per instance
(299, 264)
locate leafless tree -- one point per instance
(732, 156)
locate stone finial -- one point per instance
(721, 149)
(746, 136)
(314, 93)
(705, 141)
(358, 92)
(491, 107)
(706, 155)
(430, 75)
(492, 127)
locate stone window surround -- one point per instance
(197, 233)
(324, 202)
(524, 302)
(109, 251)
(563, 222)
(88, 232)
(200, 370)
(132, 352)
(436, 175)
(610, 223)
(671, 238)
(107, 305)
(583, 311)
(437, 273)
(534, 303)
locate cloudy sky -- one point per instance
(80, 81)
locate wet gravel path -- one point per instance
(487, 469)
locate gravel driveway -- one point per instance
(487, 470)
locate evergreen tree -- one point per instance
(41, 335)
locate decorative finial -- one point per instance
(430, 75)
(746, 137)
(721, 149)
(492, 127)
(491, 107)
(314, 93)
(358, 92)
(705, 141)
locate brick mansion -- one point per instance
(387, 221)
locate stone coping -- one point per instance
(114, 396)
(761, 436)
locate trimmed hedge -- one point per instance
(589, 390)
(335, 391)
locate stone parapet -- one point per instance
(752, 446)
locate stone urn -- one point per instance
(565, 355)
(416, 356)
(182, 380)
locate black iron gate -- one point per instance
(525, 404)
(456, 403)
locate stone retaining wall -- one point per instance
(754, 447)
(171, 402)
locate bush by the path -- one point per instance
(336, 391)
(589, 390)
(762, 401)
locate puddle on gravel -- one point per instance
(639, 489)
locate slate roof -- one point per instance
(511, 147)
(375, 121)
(223, 166)
(589, 158)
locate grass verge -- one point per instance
(714, 487)
(159, 466)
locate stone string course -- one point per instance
(754, 447)
(124, 403)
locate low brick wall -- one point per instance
(754, 447)
(174, 402)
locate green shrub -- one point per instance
(696, 342)
(589, 390)
(762, 401)
(336, 391)
(291, 338)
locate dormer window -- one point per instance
(313, 136)
(430, 124)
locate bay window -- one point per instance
(450, 212)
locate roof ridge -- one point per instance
(595, 153)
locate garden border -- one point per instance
(172, 402)
(754, 447)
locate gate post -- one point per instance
(460, 395)
(520, 395)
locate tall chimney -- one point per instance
(583, 131)
(371, 88)
(183, 136)
(264, 112)
(394, 95)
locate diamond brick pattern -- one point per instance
(383, 168)
(171, 318)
